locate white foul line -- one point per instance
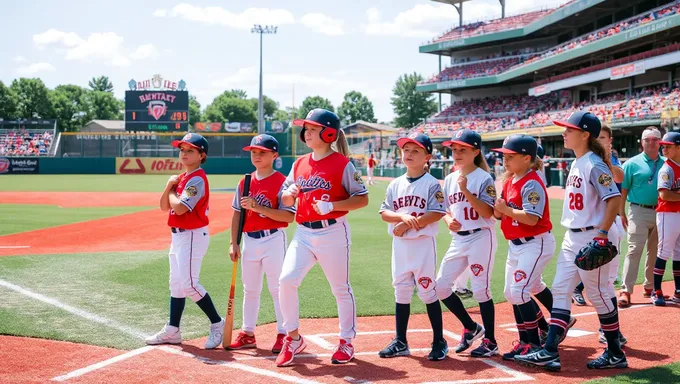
(319, 340)
(242, 367)
(102, 364)
(76, 311)
(14, 246)
(508, 325)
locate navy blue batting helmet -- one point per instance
(327, 120)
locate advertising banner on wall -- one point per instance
(14, 165)
(148, 166)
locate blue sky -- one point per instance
(322, 48)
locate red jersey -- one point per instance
(669, 178)
(527, 194)
(333, 178)
(194, 193)
(371, 163)
(266, 192)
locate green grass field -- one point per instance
(132, 288)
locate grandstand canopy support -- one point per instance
(458, 4)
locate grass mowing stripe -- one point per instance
(668, 373)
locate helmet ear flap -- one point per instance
(302, 135)
(329, 135)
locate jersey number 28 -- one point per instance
(575, 201)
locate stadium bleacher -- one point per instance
(25, 143)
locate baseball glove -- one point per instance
(596, 254)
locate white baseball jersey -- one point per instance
(414, 197)
(480, 183)
(589, 185)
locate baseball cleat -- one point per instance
(624, 299)
(676, 296)
(541, 358)
(278, 344)
(439, 351)
(469, 337)
(463, 293)
(572, 321)
(577, 298)
(648, 293)
(243, 341)
(518, 348)
(215, 335)
(344, 353)
(658, 298)
(608, 360)
(485, 349)
(289, 349)
(167, 335)
(394, 349)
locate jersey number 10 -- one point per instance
(470, 213)
(575, 201)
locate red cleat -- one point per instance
(289, 349)
(344, 353)
(243, 341)
(278, 345)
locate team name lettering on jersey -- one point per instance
(574, 181)
(409, 201)
(458, 197)
(314, 182)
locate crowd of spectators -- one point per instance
(516, 105)
(491, 26)
(498, 55)
(475, 69)
(24, 143)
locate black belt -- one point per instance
(319, 224)
(177, 230)
(523, 240)
(470, 232)
(261, 234)
(645, 206)
(582, 229)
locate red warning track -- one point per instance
(35, 360)
(139, 231)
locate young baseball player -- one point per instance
(187, 197)
(326, 186)
(264, 245)
(370, 169)
(525, 221)
(413, 206)
(469, 196)
(668, 217)
(590, 206)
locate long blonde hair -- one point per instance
(340, 145)
(536, 165)
(599, 150)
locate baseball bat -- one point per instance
(229, 321)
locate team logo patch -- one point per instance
(605, 180)
(534, 198)
(665, 177)
(187, 137)
(476, 269)
(505, 142)
(191, 191)
(425, 282)
(357, 177)
(520, 275)
(491, 191)
(439, 196)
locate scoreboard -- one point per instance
(159, 111)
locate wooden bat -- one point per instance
(229, 320)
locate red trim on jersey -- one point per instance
(266, 193)
(670, 206)
(197, 217)
(532, 272)
(512, 192)
(319, 180)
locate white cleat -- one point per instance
(168, 335)
(215, 336)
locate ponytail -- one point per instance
(480, 161)
(599, 150)
(340, 145)
(537, 164)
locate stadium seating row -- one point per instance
(24, 143)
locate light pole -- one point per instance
(269, 29)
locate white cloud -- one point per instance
(160, 13)
(106, 47)
(18, 59)
(323, 24)
(221, 16)
(34, 68)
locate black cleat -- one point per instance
(439, 350)
(607, 360)
(468, 337)
(395, 349)
(541, 358)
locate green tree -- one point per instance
(236, 93)
(281, 115)
(194, 110)
(356, 106)
(101, 83)
(71, 107)
(105, 106)
(33, 99)
(313, 102)
(270, 107)
(227, 108)
(410, 106)
(8, 103)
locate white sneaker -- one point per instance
(168, 335)
(215, 336)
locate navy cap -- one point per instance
(264, 142)
(671, 138)
(519, 144)
(465, 137)
(420, 139)
(540, 152)
(582, 120)
(193, 139)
